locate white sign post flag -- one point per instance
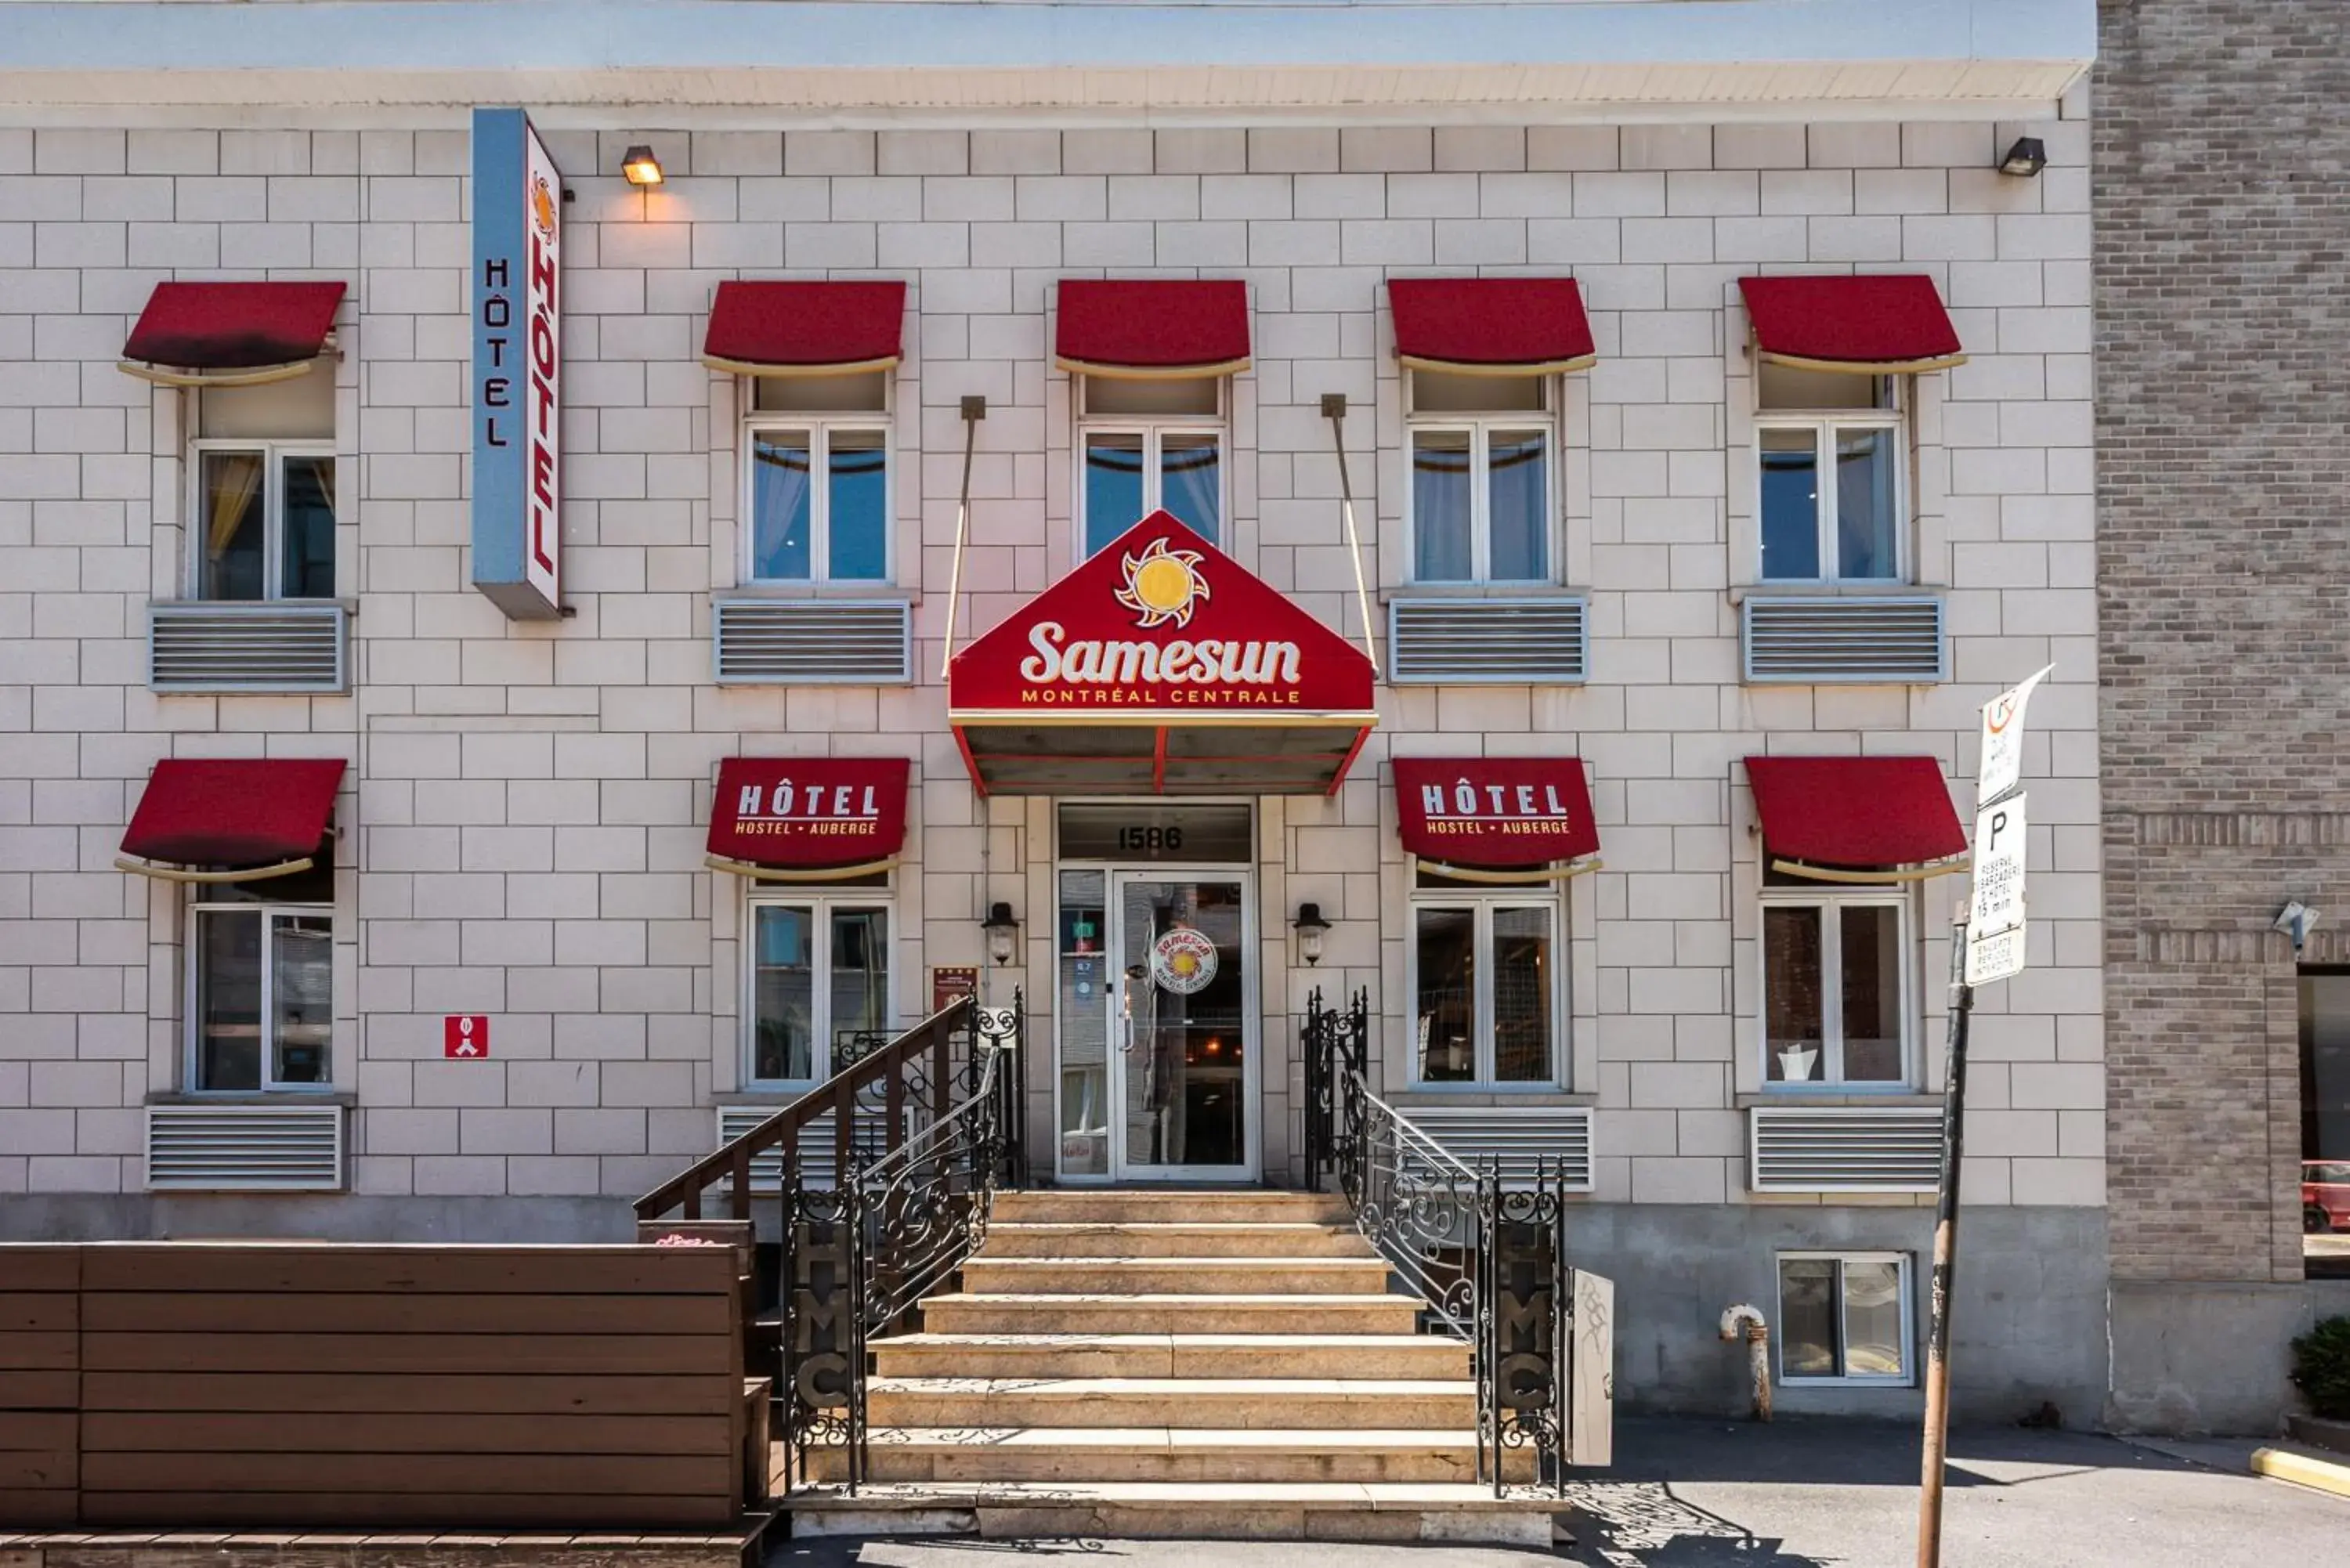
(2002, 767)
(1995, 919)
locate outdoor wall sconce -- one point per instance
(2027, 158)
(1003, 934)
(1311, 928)
(639, 167)
(2295, 921)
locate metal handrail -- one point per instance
(836, 1094)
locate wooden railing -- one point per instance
(916, 1071)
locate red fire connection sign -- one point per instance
(465, 1037)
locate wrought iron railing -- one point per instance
(1488, 1260)
(925, 1128)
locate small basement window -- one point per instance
(1844, 1318)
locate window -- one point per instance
(819, 980)
(1844, 1319)
(265, 518)
(1144, 445)
(1816, 425)
(1835, 986)
(1479, 501)
(2326, 1122)
(1485, 974)
(260, 978)
(816, 479)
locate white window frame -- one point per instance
(1153, 428)
(1482, 903)
(1824, 424)
(819, 426)
(192, 1054)
(1480, 427)
(273, 454)
(822, 899)
(1827, 898)
(1907, 1377)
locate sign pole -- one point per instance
(1946, 1258)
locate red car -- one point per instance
(2325, 1195)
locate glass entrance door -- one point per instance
(1182, 1064)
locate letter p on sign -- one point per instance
(465, 1037)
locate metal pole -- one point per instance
(974, 409)
(1334, 408)
(1946, 1258)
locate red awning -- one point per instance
(231, 334)
(241, 818)
(1518, 325)
(1496, 813)
(821, 328)
(1161, 666)
(795, 816)
(1858, 817)
(1875, 326)
(1152, 327)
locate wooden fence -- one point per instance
(265, 1385)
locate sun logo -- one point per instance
(542, 208)
(1162, 585)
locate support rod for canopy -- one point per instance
(1334, 408)
(974, 409)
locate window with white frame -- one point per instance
(1488, 995)
(1481, 505)
(1147, 444)
(816, 479)
(1843, 1317)
(1831, 454)
(261, 1013)
(1835, 984)
(818, 978)
(261, 474)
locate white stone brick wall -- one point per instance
(529, 799)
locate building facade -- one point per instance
(2219, 217)
(808, 601)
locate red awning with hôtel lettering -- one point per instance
(231, 334)
(231, 819)
(1495, 813)
(790, 817)
(1878, 325)
(1160, 666)
(1857, 819)
(813, 327)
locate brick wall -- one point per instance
(2223, 433)
(530, 799)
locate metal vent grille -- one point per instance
(244, 1148)
(267, 646)
(1489, 641)
(840, 642)
(816, 1145)
(1846, 1150)
(1886, 640)
(1513, 1139)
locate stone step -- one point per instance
(1397, 1356)
(1141, 1276)
(1075, 1205)
(1172, 1311)
(1199, 1510)
(1194, 1402)
(1092, 1454)
(1172, 1239)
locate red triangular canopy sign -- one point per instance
(1161, 626)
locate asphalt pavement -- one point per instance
(1795, 1494)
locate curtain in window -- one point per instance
(233, 545)
(1518, 505)
(1442, 515)
(1113, 486)
(781, 464)
(1190, 485)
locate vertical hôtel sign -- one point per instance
(517, 368)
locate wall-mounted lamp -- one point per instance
(2295, 921)
(639, 167)
(1003, 934)
(1311, 928)
(2028, 157)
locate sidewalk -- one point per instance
(1802, 1494)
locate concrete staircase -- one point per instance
(1208, 1364)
